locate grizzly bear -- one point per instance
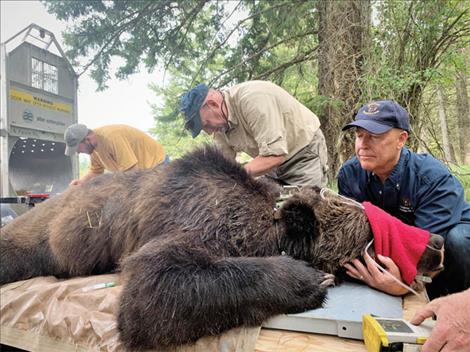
(200, 242)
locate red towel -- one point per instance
(403, 243)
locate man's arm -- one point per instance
(262, 164)
(351, 179)
(343, 184)
(441, 203)
(132, 168)
(88, 176)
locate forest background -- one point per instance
(332, 55)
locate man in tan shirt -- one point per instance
(114, 148)
(261, 119)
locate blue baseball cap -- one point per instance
(190, 104)
(378, 117)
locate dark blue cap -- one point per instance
(379, 117)
(190, 104)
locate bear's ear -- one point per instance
(299, 218)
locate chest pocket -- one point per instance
(242, 142)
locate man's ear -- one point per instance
(402, 138)
(212, 99)
(299, 218)
(212, 103)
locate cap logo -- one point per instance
(372, 109)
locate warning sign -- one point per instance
(28, 109)
(29, 98)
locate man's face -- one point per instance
(86, 147)
(379, 153)
(212, 118)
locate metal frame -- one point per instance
(44, 41)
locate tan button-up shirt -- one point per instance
(265, 120)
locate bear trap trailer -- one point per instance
(38, 101)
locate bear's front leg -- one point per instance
(176, 293)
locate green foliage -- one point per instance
(169, 130)
(83, 164)
(150, 32)
(411, 44)
(462, 172)
(191, 36)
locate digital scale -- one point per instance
(398, 335)
(342, 312)
(360, 312)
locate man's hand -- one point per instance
(88, 176)
(262, 164)
(373, 277)
(452, 330)
(75, 182)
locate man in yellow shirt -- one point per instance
(114, 148)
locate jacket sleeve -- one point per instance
(352, 181)
(343, 187)
(440, 204)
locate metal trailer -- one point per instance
(38, 101)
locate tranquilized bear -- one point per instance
(200, 245)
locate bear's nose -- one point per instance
(436, 241)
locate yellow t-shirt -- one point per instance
(122, 147)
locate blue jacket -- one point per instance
(420, 191)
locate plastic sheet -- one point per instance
(47, 314)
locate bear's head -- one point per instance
(328, 231)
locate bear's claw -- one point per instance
(328, 280)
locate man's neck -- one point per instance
(223, 106)
(384, 173)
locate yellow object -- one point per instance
(50, 104)
(374, 335)
(421, 340)
(384, 334)
(122, 147)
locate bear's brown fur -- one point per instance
(200, 246)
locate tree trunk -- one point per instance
(463, 116)
(343, 28)
(443, 123)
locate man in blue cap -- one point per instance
(415, 188)
(263, 120)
